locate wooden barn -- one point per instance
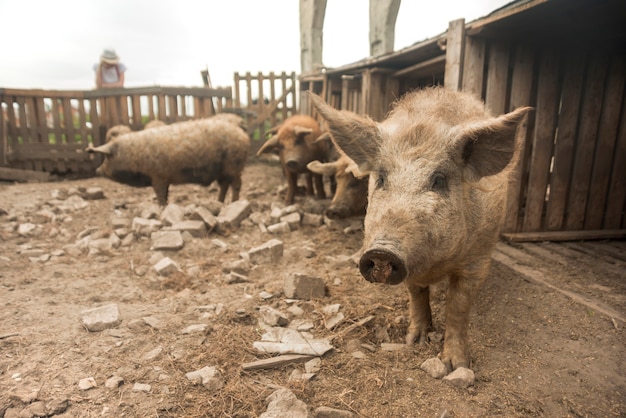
(565, 58)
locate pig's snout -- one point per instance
(293, 164)
(337, 212)
(382, 266)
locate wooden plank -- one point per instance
(521, 89)
(593, 252)
(586, 140)
(565, 141)
(497, 77)
(3, 136)
(538, 277)
(23, 123)
(608, 247)
(135, 102)
(68, 123)
(82, 123)
(161, 109)
(423, 68)
(56, 118)
(455, 49)
(616, 205)
(276, 362)
(605, 146)
(548, 100)
(565, 235)
(13, 174)
(474, 66)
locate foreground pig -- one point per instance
(350, 198)
(295, 142)
(199, 151)
(438, 172)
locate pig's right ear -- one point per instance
(105, 149)
(325, 169)
(356, 136)
(268, 146)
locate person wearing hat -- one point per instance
(109, 71)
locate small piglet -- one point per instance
(438, 173)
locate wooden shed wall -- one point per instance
(572, 175)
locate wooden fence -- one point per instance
(48, 130)
(265, 101)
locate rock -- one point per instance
(166, 240)
(87, 383)
(35, 409)
(152, 355)
(289, 341)
(334, 320)
(145, 227)
(434, 367)
(166, 266)
(203, 214)
(312, 219)
(191, 329)
(460, 378)
(230, 216)
(279, 228)
(301, 286)
(26, 229)
(94, 193)
(196, 229)
(283, 403)
(99, 319)
(392, 346)
(327, 412)
(141, 387)
(209, 377)
(269, 252)
(172, 214)
(273, 317)
(57, 406)
(114, 382)
(313, 365)
(292, 219)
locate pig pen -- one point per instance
(184, 322)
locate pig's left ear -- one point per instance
(301, 130)
(106, 149)
(356, 136)
(485, 148)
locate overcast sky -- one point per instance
(53, 44)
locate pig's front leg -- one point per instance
(292, 186)
(319, 186)
(420, 315)
(161, 190)
(309, 184)
(461, 293)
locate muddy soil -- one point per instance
(535, 352)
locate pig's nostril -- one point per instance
(292, 164)
(382, 266)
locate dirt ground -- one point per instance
(535, 351)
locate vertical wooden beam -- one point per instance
(312, 14)
(548, 101)
(383, 15)
(497, 77)
(473, 66)
(455, 52)
(521, 90)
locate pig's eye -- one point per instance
(380, 180)
(299, 141)
(439, 183)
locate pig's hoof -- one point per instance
(419, 337)
(454, 363)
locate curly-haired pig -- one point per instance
(198, 151)
(295, 142)
(438, 174)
